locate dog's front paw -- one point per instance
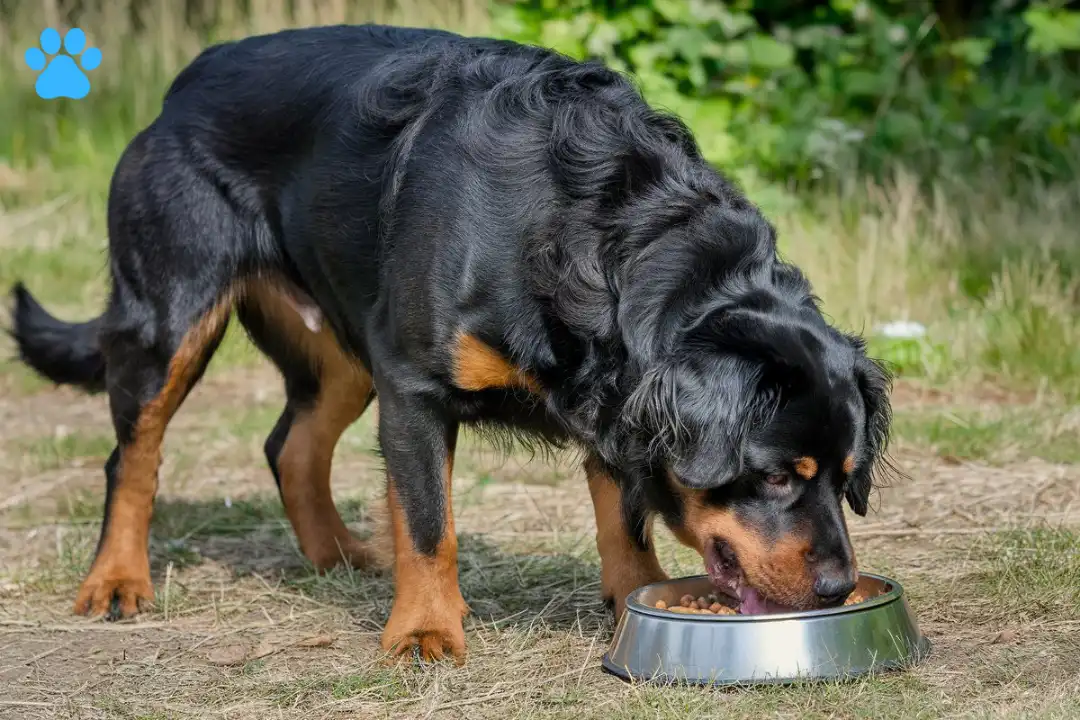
(433, 627)
(619, 581)
(115, 591)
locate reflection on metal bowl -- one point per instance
(651, 644)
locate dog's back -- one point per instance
(299, 68)
(258, 105)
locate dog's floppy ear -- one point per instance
(874, 383)
(721, 408)
(782, 348)
(699, 418)
(751, 358)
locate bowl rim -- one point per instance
(886, 598)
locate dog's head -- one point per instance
(761, 420)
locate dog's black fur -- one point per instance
(418, 185)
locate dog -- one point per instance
(475, 232)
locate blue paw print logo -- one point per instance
(61, 76)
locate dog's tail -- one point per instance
(66, 353)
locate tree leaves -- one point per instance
(887, 72)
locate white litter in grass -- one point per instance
(905, 329)
(228, 501)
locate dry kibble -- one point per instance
(683, 610)
(689, 606)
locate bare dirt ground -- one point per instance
(243, 629)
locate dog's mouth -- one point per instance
(722, 565)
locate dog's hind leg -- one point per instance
(327, 391)
(146, 382)
(175, 246)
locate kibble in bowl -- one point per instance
(713, 604)
(705, 605)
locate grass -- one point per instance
(64, 449)
(533, 659)
(1034, 573)
(1000, 607)
(993, 434)
(877, 254)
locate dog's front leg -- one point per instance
(428, 608)
(627, 557)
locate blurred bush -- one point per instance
(803, 90)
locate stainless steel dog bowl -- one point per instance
(844, 642)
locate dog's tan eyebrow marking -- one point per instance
(806, 467)
(849, 464)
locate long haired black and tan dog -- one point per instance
(476, 232)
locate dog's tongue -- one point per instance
(752, 603)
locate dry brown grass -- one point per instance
(243, 629)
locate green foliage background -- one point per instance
(805, 90)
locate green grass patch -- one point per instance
(236, 350)
(380, 685)
(883, 696)
(993, 434)
(82, 506)
(179, 520)
(374, 685)
(1034, 573)
(70, 277)
(911, 357)
(57, 452)
(18, 380)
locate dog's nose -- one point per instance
(833, 585)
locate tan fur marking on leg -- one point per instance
(428, 607)
(306, 457)
(122, 565)
(623, 566)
